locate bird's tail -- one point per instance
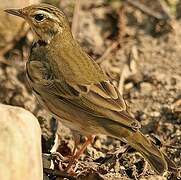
(140, 143)
(148, 150)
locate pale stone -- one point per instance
(20, 145)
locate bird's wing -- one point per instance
(102, 100)
(98, 99)
(105, 99)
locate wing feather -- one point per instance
(101, 100)
(98, 99)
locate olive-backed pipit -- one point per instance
(74, 88)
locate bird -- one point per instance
(74, 88)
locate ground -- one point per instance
(141, 55)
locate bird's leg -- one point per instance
(89, 140)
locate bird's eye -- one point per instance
(39, 17)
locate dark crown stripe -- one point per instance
(53, 10)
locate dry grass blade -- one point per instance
(147, 10)
(176, 106)
(121, 23)
(129, 68)
(76, 17)
(114, 45)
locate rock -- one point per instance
(155, 114)
(146, 88)
(20, 145)
(176, 106)
(128, 86)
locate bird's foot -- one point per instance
(76, 156)
(68, 164)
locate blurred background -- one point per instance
(138, 44)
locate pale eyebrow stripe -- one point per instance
(48, 14)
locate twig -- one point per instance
(76, 17)
(121, 23)
(176, 106)
(147, 10)
(3, 61)
(58, 173)
(129, 68)
(8, 63)
(6, 48)
(165, 9)
(113, 46)
(145, 167)
(173, 147)
(123, 77)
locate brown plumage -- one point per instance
(73, 87)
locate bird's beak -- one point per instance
(16, 12)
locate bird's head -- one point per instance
(46, 21)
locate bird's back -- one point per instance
(69, 60)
